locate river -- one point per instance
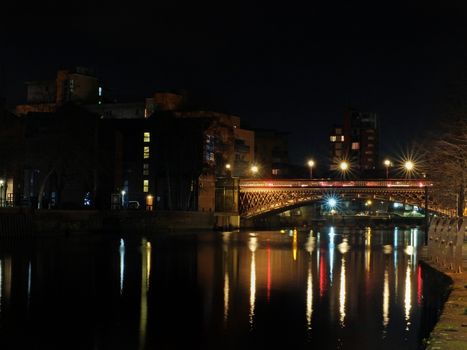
(333, 288)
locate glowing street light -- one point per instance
(409, 165)
(254, 169)
(332, 202)
(123, 198)
(227, 166)
(344, 166)
(387, 164)
(311, 164)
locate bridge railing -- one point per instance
(320, 183)
(447, 243)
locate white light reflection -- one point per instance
(122, 263)
(408, 296)
(309, 297)
(309, 246)
(396, 266)
(331, 254)
(252, 245)
(386, 298)
(310, 243)
(29, 282)
(344, 247)
(342, 294)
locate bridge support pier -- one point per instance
(227, 221)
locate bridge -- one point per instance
(257, 197)
(250, 198)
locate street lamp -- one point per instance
(387, 164)
(311, 164)
(344, 167)
(409, 166)
(123, 198)
(228, 169)
(254, 169)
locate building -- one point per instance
(78, 85)
(244, 152)
(356, 141)
(271, 153)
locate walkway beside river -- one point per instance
(450, 333)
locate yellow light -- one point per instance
(344, 166)
(311, 163)
(254, 169)
(227, 166)
(409, 165)
(387, 162)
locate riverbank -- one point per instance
(21, 222)
(450, 333)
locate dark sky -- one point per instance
(291, 67)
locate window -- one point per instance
(145, 169)
(275, 171)
(146, 152)
(145, 185)
(333, 138)
(355, 145)
(342, 138)
(371, 137)
(368, 152)
(147, 137)
(370, 145)
(338, 131)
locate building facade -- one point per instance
(356, 141)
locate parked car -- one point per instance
(133, 205)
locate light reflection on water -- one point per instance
(355, 290)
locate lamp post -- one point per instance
(254, 170)
(311, 164)
(409, 167)
(228, 169)
(344, 166)
(123, 198)
(387, 164)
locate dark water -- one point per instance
(333, 289)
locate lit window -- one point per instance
(146, 152)
(147, 137)
(145, 166)
(100, 91)
(355, 145)
(145, 185)
(333, 138)
(342, 138)
(275, 171)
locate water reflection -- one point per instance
(386, 298)
(252, 245)
(221, 290)
(145, 276)
(122, 264)
(342, 294)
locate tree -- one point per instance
(447, 160)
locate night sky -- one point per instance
(289, 67)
